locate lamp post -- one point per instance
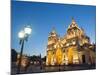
(23, 36)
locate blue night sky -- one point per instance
(42, 17)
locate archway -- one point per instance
(59, 56)
(70, 55)
(83, 59)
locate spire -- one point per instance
(53, 30)
(73, 21)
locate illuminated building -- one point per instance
(73, 48)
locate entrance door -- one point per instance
(70, 55)
(83, 59)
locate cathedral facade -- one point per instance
(73, 48)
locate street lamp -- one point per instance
(23, 36)
(28, 30)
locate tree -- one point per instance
(13, 55)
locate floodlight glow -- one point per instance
(28, 30)
(73, 42)
(21, 34)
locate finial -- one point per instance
(53, 29)
(73, 20)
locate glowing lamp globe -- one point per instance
(21, 34)
(28, 30)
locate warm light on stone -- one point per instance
(73, 48)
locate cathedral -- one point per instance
(74, 47)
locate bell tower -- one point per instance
(52, 39)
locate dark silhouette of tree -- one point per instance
(13, 55)
(34, 58)
(44, 58)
